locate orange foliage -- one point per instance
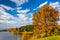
(43, 18)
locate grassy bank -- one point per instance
(50, 38)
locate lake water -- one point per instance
(8, 36)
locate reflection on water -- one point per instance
(8, 36)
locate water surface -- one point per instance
(8, 36)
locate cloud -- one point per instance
(9, 21)
(23, 11)
(55, 4)
(41, 5)
(4, 16)
(6, 7)
(23, 18)
(18, 8)
(21, 15)
(5, 21)
(19, 2)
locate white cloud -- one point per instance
(55, 4)
(18, 8)
(24, 17)
(10, 8)
(41, 5)
(23, 11)
(4, 16)
(8, 21)
(21, 16)
(19, 2)
(6, 7)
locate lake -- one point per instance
(8, 36)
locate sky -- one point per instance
(16, 13)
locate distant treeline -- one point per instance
(28, 28)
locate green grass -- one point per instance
(50, 38)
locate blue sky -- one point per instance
(16, 13)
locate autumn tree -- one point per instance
(45, 19)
